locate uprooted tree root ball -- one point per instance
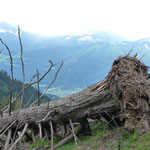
(128, 83)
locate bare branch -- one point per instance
(117, 130)
(11, 64)
(40, 130)
(21, 52)
(8, 128)
(32, 78)
(66, 139)
(70, 129)
(8, 139)
(142, 56)
(4, 127)
(20, 137)
(130, 50)
(49, 84)
(32, 134)
(29, 85)
(30, 98)
(38, 92)
(75, 139)
(52, 132)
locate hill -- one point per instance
(5, 89)
(105, 138)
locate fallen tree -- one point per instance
(122, 98)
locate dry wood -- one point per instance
(33, 136)
(89, 102)
(19, 143)
(52, 133)
(29, 85)
(40, 130)
(38, 88)
(75, 139)
(20, 137)
(8, 139)
(7, 128)
(12, 78)
(1, 143)
(29, 101)
(4, 128)
(46, 134)
(22, 63)
(49, 84)
(69, 128)
(66, 139)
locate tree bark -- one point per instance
(90, 103)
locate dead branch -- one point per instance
(66, 139)
(8, 128)
(29, 85)
(20, 137)
(52, 133)
(70, 129)
(11, 64)
(4, 128)
(32, 135)
(40, 130)
(8, 139)
(49, 84)
(38, 88)
(30, 98)
(130, 51)
(75, 139)
(116, 129)
(21, 52)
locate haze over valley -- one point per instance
(87, 57)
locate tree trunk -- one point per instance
(90, 103)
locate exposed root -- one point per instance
(127, 81)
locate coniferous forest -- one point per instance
(5, 82)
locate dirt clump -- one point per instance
(128, 83)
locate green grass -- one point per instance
(62, 93)
(39, 143)
(104, 138)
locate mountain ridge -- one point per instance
(87, 58)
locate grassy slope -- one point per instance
(104, 138)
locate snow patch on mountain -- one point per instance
(2, 30)
(85, 38)
(146, 46)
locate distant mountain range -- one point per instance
(87, 58)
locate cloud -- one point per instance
(128, 18)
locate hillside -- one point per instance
(5, 89)
(104, 138)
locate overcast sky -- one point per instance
(128, 18)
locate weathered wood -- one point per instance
(91, 102)
(20, 137)
(7, 140)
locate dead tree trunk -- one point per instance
(124, 94)
(90, 103)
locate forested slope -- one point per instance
(5, 82)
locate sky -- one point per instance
(127, 18)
